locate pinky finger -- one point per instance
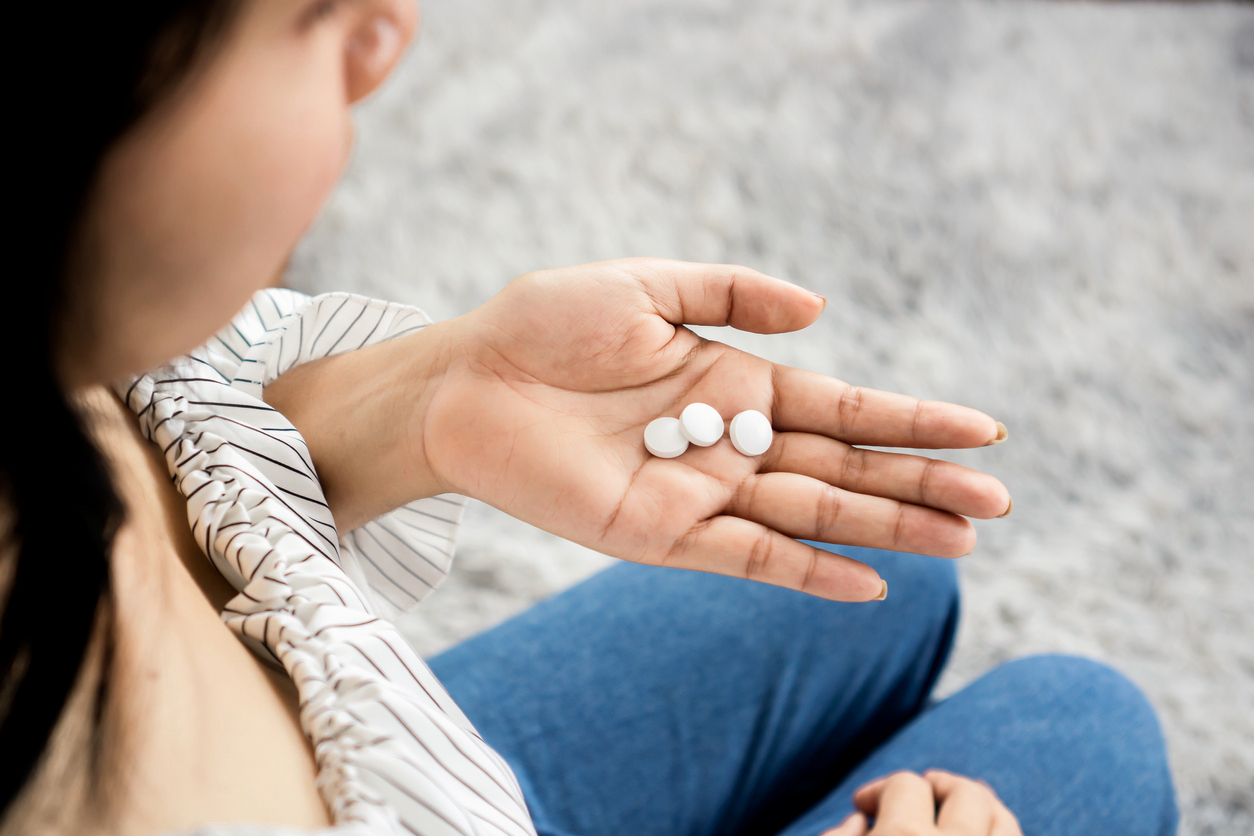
(733, 546)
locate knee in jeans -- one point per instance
(1100, 711)
(1097, 698)
(1074, 677)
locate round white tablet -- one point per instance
(663, 439)
(701, 424)
(751, 433)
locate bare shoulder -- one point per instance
(153, 503)
(227, 737)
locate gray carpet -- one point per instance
(1042, 210)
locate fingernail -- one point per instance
(1009, 508)
(1002, 433)
(822, 299)
(883, 591)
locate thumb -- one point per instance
(684, 293)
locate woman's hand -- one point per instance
(536, 403)
(937, 802)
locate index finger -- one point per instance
(806, 401)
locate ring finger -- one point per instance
(907, 478)
(806, 508)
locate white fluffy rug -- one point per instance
(1042, 210)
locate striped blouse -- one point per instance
(395, 754)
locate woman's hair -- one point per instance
(89, 73)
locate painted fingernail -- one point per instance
(1002, 433)
(1009, 508)
(883, 591)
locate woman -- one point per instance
(194, 147)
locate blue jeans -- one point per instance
(659, 701)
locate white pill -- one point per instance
(701, 424)
(751, 433)
(663, 439)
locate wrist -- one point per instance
(361, 414)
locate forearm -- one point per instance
(361, 414)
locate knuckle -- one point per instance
(742, 499)
(925, 481)
(827, 511)
(849, 407)
(853, 469)
(899, 526)
(759, 555)
(917, 420)
(811, 568)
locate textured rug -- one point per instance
(1042, 210)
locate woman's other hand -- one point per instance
(936, 802)
(536, 403)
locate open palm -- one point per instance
(542, 409)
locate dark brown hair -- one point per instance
(83, 74)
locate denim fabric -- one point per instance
(658, 701)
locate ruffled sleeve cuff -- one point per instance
(396, 559)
